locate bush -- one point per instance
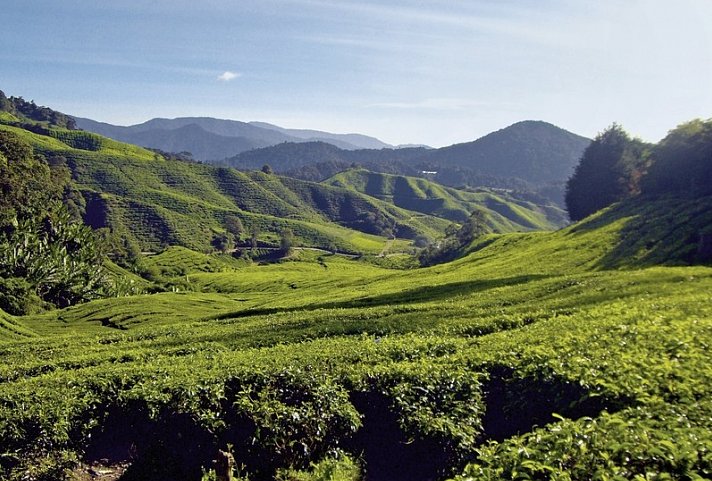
(18, 297)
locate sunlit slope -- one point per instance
(164, 202)
(511, 262)
(504, 212)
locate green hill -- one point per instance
(165, 202)
(504, 212)
(535, 151)
(575, 347)
(159, 201)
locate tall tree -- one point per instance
(682, 161)
(609, 171)
(25, 181)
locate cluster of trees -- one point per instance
(615, 167)
(29, 110)
(47, 257)
(457, 237)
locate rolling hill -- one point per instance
(504, 211)
(533, 156)
(159, 202)
(577, 354)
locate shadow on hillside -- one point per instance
(516, 405)
(418, 294)
(513, 405)
(657, 231)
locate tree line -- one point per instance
(616, 166)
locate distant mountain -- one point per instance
(535, 151)
(290, 156)
(343, 141)
(210, 139)
(531, 156)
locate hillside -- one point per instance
(161, 202)
(535, 343)
(528, 156)
(503, 211)
(535, 151)
(213, 139)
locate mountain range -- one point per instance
(534, 151)
(210, 139)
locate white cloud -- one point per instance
(227, 76)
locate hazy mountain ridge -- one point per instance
(529, 156)
(535, 151)
(210, 138)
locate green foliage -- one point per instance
(25, 182)
(234, 226)
(59, 258)
(609, 171)
(286, 242)
(455, 241)
(334, 468)
(223, 241)
(504, 211)
(18, 297)
(682, 161)
(30, 111)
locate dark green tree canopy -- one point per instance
(233, 225)
(609, 171)
(682, 161)
(44, 253)
(25, 181)
(31, 111)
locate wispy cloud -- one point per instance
(228, 76)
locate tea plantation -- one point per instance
(571, 355)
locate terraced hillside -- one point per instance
(162, 202)
(167, 202)
(504, 212)
(566, 355)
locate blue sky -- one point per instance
(406, 71)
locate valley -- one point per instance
(296, 328)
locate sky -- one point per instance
(406, 71)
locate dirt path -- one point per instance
(386, 247)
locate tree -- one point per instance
(25, 181)
(682, 161)
(234, 226)
(59, 258)
(223, 242)
(50, 255)
(286, 241)
(254, 234)
(609, 171)
(457, 238)
(267, 169)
